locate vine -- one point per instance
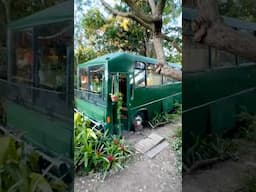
(118, 99)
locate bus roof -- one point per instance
(190, 14)
(115, 57)
(58, 13)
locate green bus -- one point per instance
(36, 86)
(144, 93)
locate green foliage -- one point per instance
(174, 58)
(211, 146)
(119, 103)
(96, 151)
(25, 8)
(177, 109)
(247, 126)
(109, 34)
(241, 9)
(19, 170)
(176, 144)
(83, 54)
(119, 108)
(250, 184)
(164, 118)
(106, 34)
(92, 21)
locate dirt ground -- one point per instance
(227, 176)
(159, 174)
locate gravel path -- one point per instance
(142, 174)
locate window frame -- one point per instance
(160, 75)
(87, 91)
(142, 69)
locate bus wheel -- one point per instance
(139, 121)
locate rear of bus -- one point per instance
(91, 92)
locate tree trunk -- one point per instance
(209, 29)
(225, 38)
(163, 67)
(158, 45)
(154, 23)
(149, 48)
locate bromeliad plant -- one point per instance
(96, 151)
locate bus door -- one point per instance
(120, 84)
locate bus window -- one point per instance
(96, 78)
(153, 78)
(24, 57)
(221, 58)
(3, 52)
(52, 41)
(139, 74)
(167, 79)
(244, 61)
(3, 62)
(84, 79)
(91, 79)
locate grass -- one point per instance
(247, 131)
(176, 145)
(250, 184)
(208, 150)
(247, 126)
(164, 118)
(219, 148)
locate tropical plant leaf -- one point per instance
(39, 183)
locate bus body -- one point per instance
(144, 93)
(36, 85)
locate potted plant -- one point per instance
(114, 97)
(117, 99)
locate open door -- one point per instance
(119, 84)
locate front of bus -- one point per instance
(91, 93)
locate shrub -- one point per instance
(247, 126)
(20, 170)
(96, 151)
(177, 146)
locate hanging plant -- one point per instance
(117, 98)
(119, 104)
(114, 97)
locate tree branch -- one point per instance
(172, 41)
(208, 9)
(209, 29)
(168, 71)
(160, 7)
(225, 38)
(138, 12)
(152, 6)
(127, 15)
